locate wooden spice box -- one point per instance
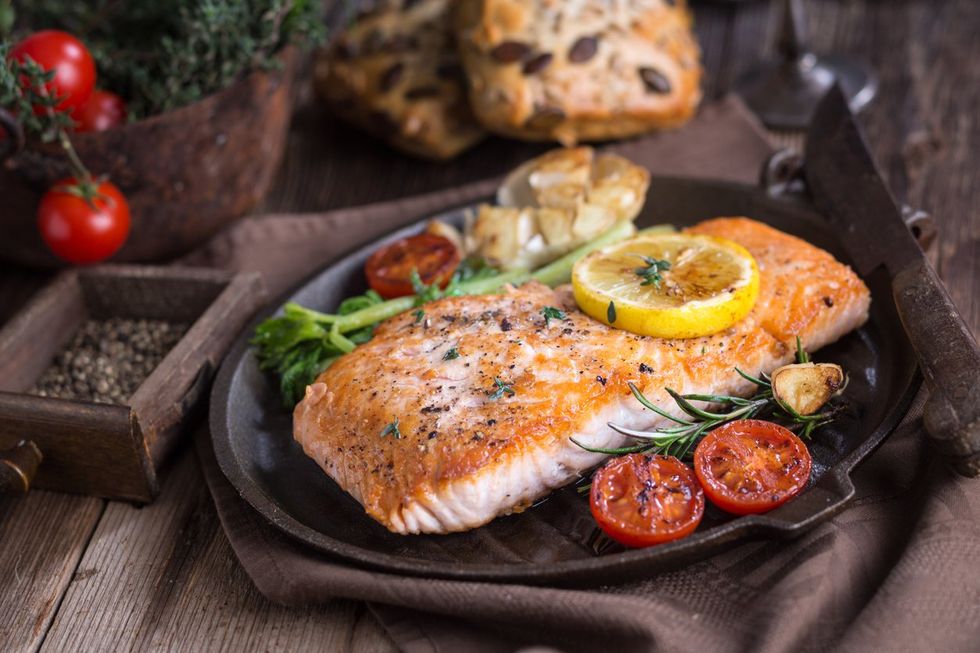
(109, 450)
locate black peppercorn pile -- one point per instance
(107, 360)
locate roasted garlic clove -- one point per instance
(806, 387)
(554, 203)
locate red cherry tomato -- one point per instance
(102, 111)
(644, 499)
(389, 269)
(751, 466)
(74, 67)
(80, 232)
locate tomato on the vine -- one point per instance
(389, 270)
(74, 76)
(645, 499)
(83, 225)
(102, 111)
(751, 466)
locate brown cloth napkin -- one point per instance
(895, 572)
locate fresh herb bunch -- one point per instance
(164, 54)
(680, 439)
(22, 89)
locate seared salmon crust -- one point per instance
(486, 392)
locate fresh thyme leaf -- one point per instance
(419, 314)
(22, 89)
(651, 273)
(502, 389)
(392, 429)
(611, 313)
(452, 354)
(551, 313)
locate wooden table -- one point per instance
(78, 573)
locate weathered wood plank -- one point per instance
(43, 537)
(164, 578)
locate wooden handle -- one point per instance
(18, 466)
(950, 361)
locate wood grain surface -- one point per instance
(83, 574)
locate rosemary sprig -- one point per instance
(682, 435)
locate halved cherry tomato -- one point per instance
(389, 270)
(102, 111)
(644, 499)
(751, 466)
(74, 76)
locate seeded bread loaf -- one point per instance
(578, 70)
(396, 73)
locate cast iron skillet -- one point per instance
(556, 541)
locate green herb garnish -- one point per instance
(452, 354)
(611, 313)
(651, 273)
(502, 389)
(419, 314)
(680, 439)
(392, 429)
(551, 313)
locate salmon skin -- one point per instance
(486, 393)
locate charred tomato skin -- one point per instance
(389, 269)
(751, 466)
(645, 499)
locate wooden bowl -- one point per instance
(186, 173)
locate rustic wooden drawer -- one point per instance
(109, 450)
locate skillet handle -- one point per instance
(950, 360)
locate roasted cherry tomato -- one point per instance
(644, 499)
(389, 270)
(81, 230)
(102, 111)
(751, 466)
(74, 76)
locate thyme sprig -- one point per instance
(680, 438)
(503, 388)
(651, 273)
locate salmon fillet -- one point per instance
(469, 451)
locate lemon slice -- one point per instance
(670, 285)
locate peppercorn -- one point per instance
(107, 360)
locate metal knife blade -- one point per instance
(848, 189)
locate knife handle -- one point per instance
(950, 360)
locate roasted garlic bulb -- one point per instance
(554, 203)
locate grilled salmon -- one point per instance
(443, 424)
